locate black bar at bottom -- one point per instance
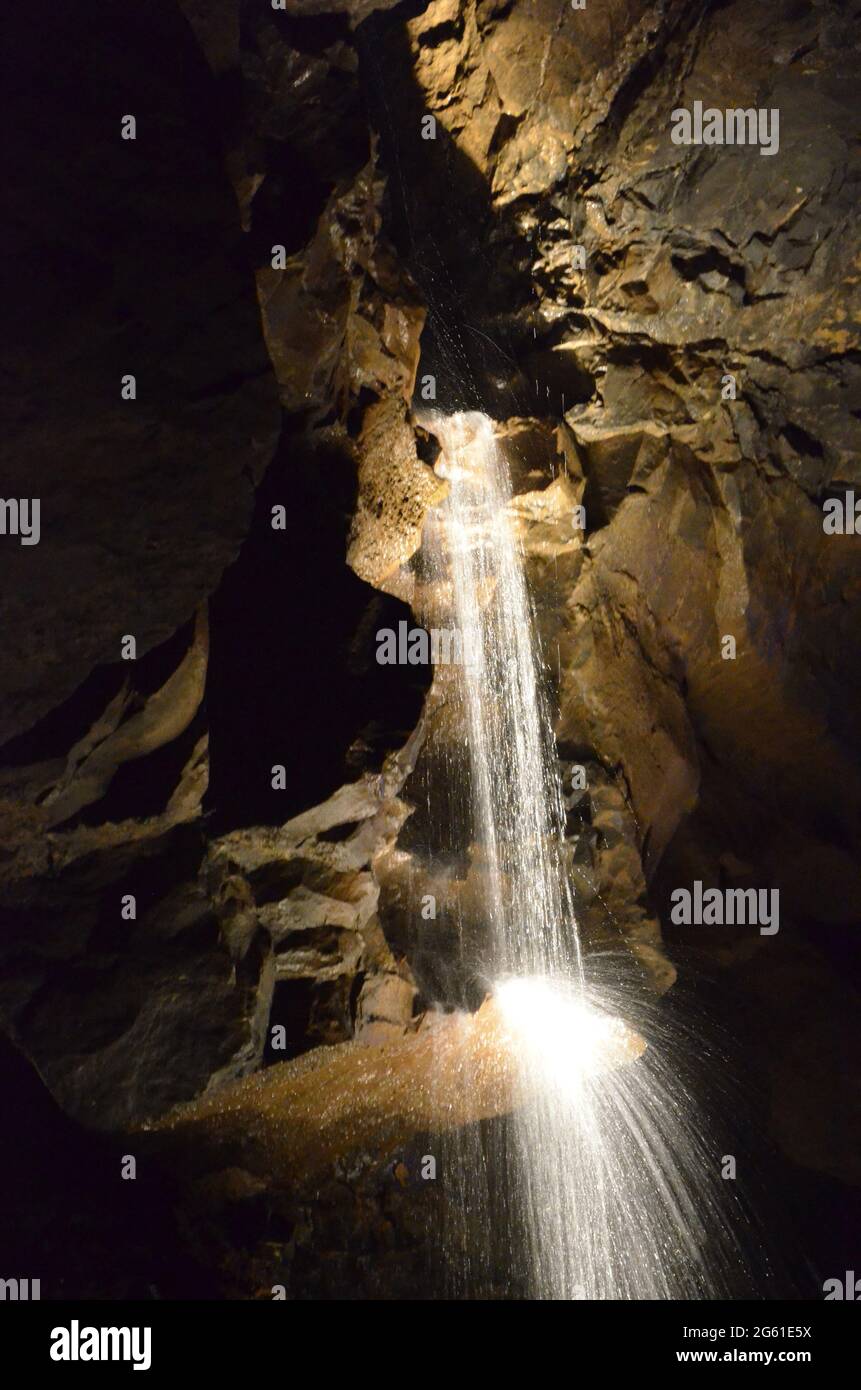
(286, 1338)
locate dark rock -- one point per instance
(130, 251)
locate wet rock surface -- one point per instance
(712, 310)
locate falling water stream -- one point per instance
(610, 1174)
(517, 795)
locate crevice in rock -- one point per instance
(346, 712)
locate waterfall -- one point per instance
(607, 1184)
(517, 795)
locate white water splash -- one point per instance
(614, 1186)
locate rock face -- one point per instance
(184, 953)
(665, 335)
(132, 263)
(687, 311)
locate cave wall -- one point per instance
(704, 506)
(302, 129)
(138, 965)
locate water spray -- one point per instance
(605, 1169)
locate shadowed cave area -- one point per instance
(431, 324)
